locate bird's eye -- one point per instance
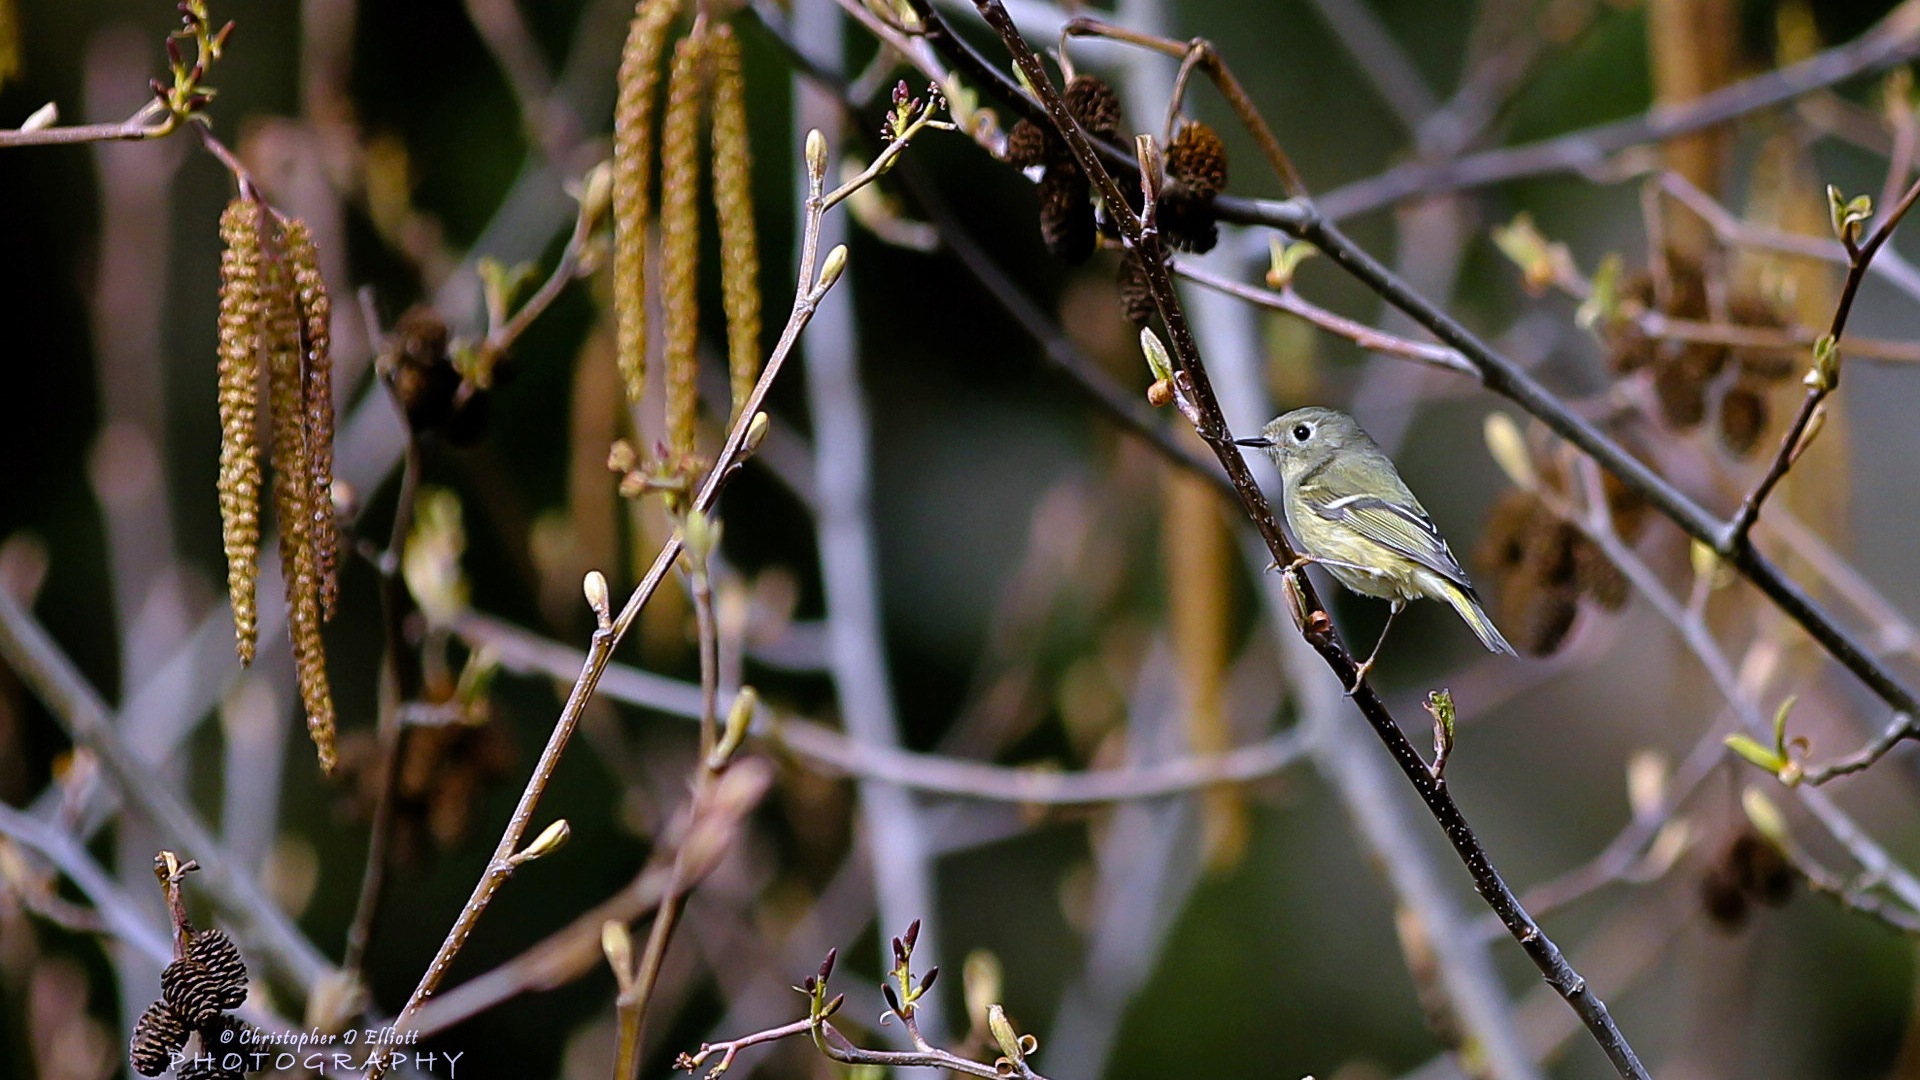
(1301, 433)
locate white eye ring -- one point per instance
(1302, 432)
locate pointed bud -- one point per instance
(43, 117)
(701, 535)
(616, 941)
(893, 999)
(926, 981)
(739, 720)
(834, 265)
(826, 966)
(816, 154)
(596, 193)
(595, 587)
(551, 839)
(1508, 445)
(1156, 352)
(756, 433)
(1003, 1034)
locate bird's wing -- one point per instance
(1404, 528)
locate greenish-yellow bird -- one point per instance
(1350, 512)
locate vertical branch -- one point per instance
(836, 400)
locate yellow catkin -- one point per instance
(680, 237)
(9, 41)
(316, 369)
(286, 405)
(632, 174)
(239, 381)
(733, 205)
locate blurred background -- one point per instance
(946, 544)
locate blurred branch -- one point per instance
(1894, 40)
(117, 912)
(84, 716)
(1192, 384)
(1378, 57)
(547, 119)
(525, 652)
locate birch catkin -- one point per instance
(639, 79)
(680, 237)
(241, 310)
(733, 206)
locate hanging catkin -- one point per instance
(733, 206)
(632, 174)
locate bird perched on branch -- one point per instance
(1350, 512)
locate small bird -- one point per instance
(1350, 512)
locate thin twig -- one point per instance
(398, 685)
(815, 282)
(637, 994)
(1366, 337)
(1901, 728)
(1822, 381)
(141, 125)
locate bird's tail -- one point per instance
(1468, 605)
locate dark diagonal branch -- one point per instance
(1211, 424)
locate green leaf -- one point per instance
(1825, 373)
(1157, 359)
(1284, 258)
(1602, 305)
(1849, 216)
(1780, 725)
(1756, 754)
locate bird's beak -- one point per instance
(1260, 441)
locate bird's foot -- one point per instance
(1298, 562)
(1359, 677)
